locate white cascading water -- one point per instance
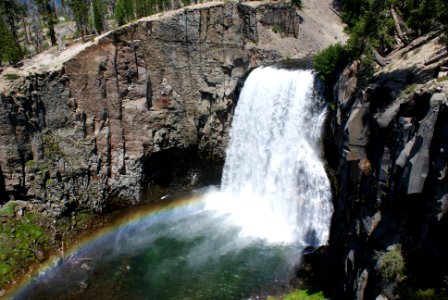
(274, 184)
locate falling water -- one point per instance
(241, 240)
(273, 174)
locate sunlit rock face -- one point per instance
(83, 136)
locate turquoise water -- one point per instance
(185, 252)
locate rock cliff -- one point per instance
(138, 109)
(388, 145)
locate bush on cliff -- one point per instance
(391, 265)
(329, 61)
(297, 3)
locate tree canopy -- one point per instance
(376, 27)
(29, 26)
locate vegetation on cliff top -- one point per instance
(376, 27)
(29, 27)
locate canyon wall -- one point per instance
(143, 105)
(387, 143)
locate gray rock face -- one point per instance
(85, 136)
(392, 176)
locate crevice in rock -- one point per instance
(101, 80)
(3, 196)
(134, 48)
(115, 64)
(108, 152)
(148, 91)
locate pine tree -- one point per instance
(9, 11)
(23, 15)
(150, 7)
(49, 16)
(120, 13)
(80, 9)
(141, 8)
(98, 15)
(8, 49)
(129, 10)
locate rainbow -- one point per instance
(155, 212)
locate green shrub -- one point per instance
(297, 3)
(277, 28)
(328, 61)
(8, 210)
(366, 69)
(391, 264)
(30, 164)
(53, 149)
(304, 295)
(427, 294)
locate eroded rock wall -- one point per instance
(391, 174)
(85, 136)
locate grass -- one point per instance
(443, 78)
(30, 164)
(410, 89)
(8, 210)
(27, 240)
(301, 295)
(53, 149)
(11, 76)
(20, 238)
(305, 295)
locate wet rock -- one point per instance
(86, 267)
(40, 254)
(381, 297)
(362, 283)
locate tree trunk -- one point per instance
(25, 31)
(397, 25)
(50, 23)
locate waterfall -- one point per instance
(274, 183)
(241, 240)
